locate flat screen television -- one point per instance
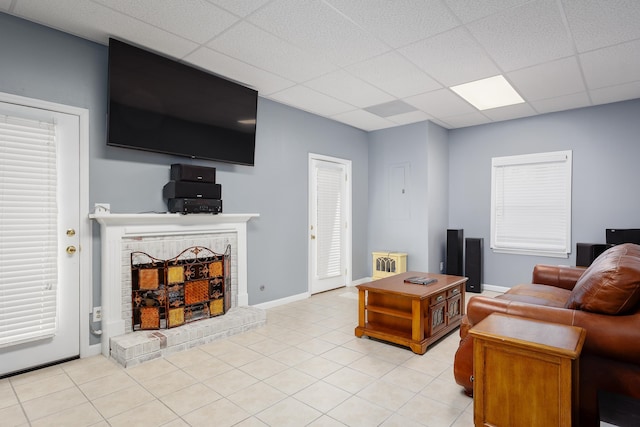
(161, 105)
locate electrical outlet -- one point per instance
(97, 314)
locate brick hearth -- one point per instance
(137, 347)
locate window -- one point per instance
(330, 190)
(531, 204)
(28, 231)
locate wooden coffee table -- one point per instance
(411, 315)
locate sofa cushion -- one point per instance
(550, 296)
(611, 284)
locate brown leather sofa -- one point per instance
(604, 299)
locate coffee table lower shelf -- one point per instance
(392, 335)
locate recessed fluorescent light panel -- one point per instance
(488, 93)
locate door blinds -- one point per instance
(531, 204)
(330, 183)
(28, 231)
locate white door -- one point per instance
(329, 230)
(58, 339)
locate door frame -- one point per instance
(348, 216)
(85, 306)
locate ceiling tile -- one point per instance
(262, 81)
(199, 22)
(616, 93)
(561, 103)
(612, 65)
(440, 103)
(552, 79)
(470, 10)
(319, 29)
(465, 120)
(95, 22)
(436, 54)
(241, 8)
(394, 74)
(343, 86)
(510, 112)
(263, 50)
(362, 53)
(309, 100)
(398, 22)
(598, 23)
(412, 117)
(525, 35)
(363, 120)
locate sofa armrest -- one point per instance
(613, 337)
(558, 276)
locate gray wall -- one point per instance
(397, 214)
(606, 152)
(437, 194)
(42, 63)
(414, 222)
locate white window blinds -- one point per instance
(531, 204)
(28, 231)
(330, 184)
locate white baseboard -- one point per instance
(282, 301)
(91, 350)
(305, 295)
(494, 288)
(360, 281)
(302, 296)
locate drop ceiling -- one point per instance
(375, 64)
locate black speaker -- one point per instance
(454, 252)
(617, 236)
(586, 253)
(191, 190)
(473, 263)
(180, 172)
(186, 206)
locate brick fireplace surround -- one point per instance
(164, 236)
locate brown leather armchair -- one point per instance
(604, 299)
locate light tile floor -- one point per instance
(304, 368)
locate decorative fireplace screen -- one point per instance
(168, 293)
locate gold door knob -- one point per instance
(313, 237)
(71, 250)
(71, 232)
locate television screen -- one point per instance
(161, 105)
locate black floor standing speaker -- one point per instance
(586, 253)
(473, 263)
(454, 252)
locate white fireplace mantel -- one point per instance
(116, 227)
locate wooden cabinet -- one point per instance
(454, 305)
(408, 314)
(387, 264)
(445, 309)
(525, 372)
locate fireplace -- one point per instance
(162, 236)
(167, 293)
